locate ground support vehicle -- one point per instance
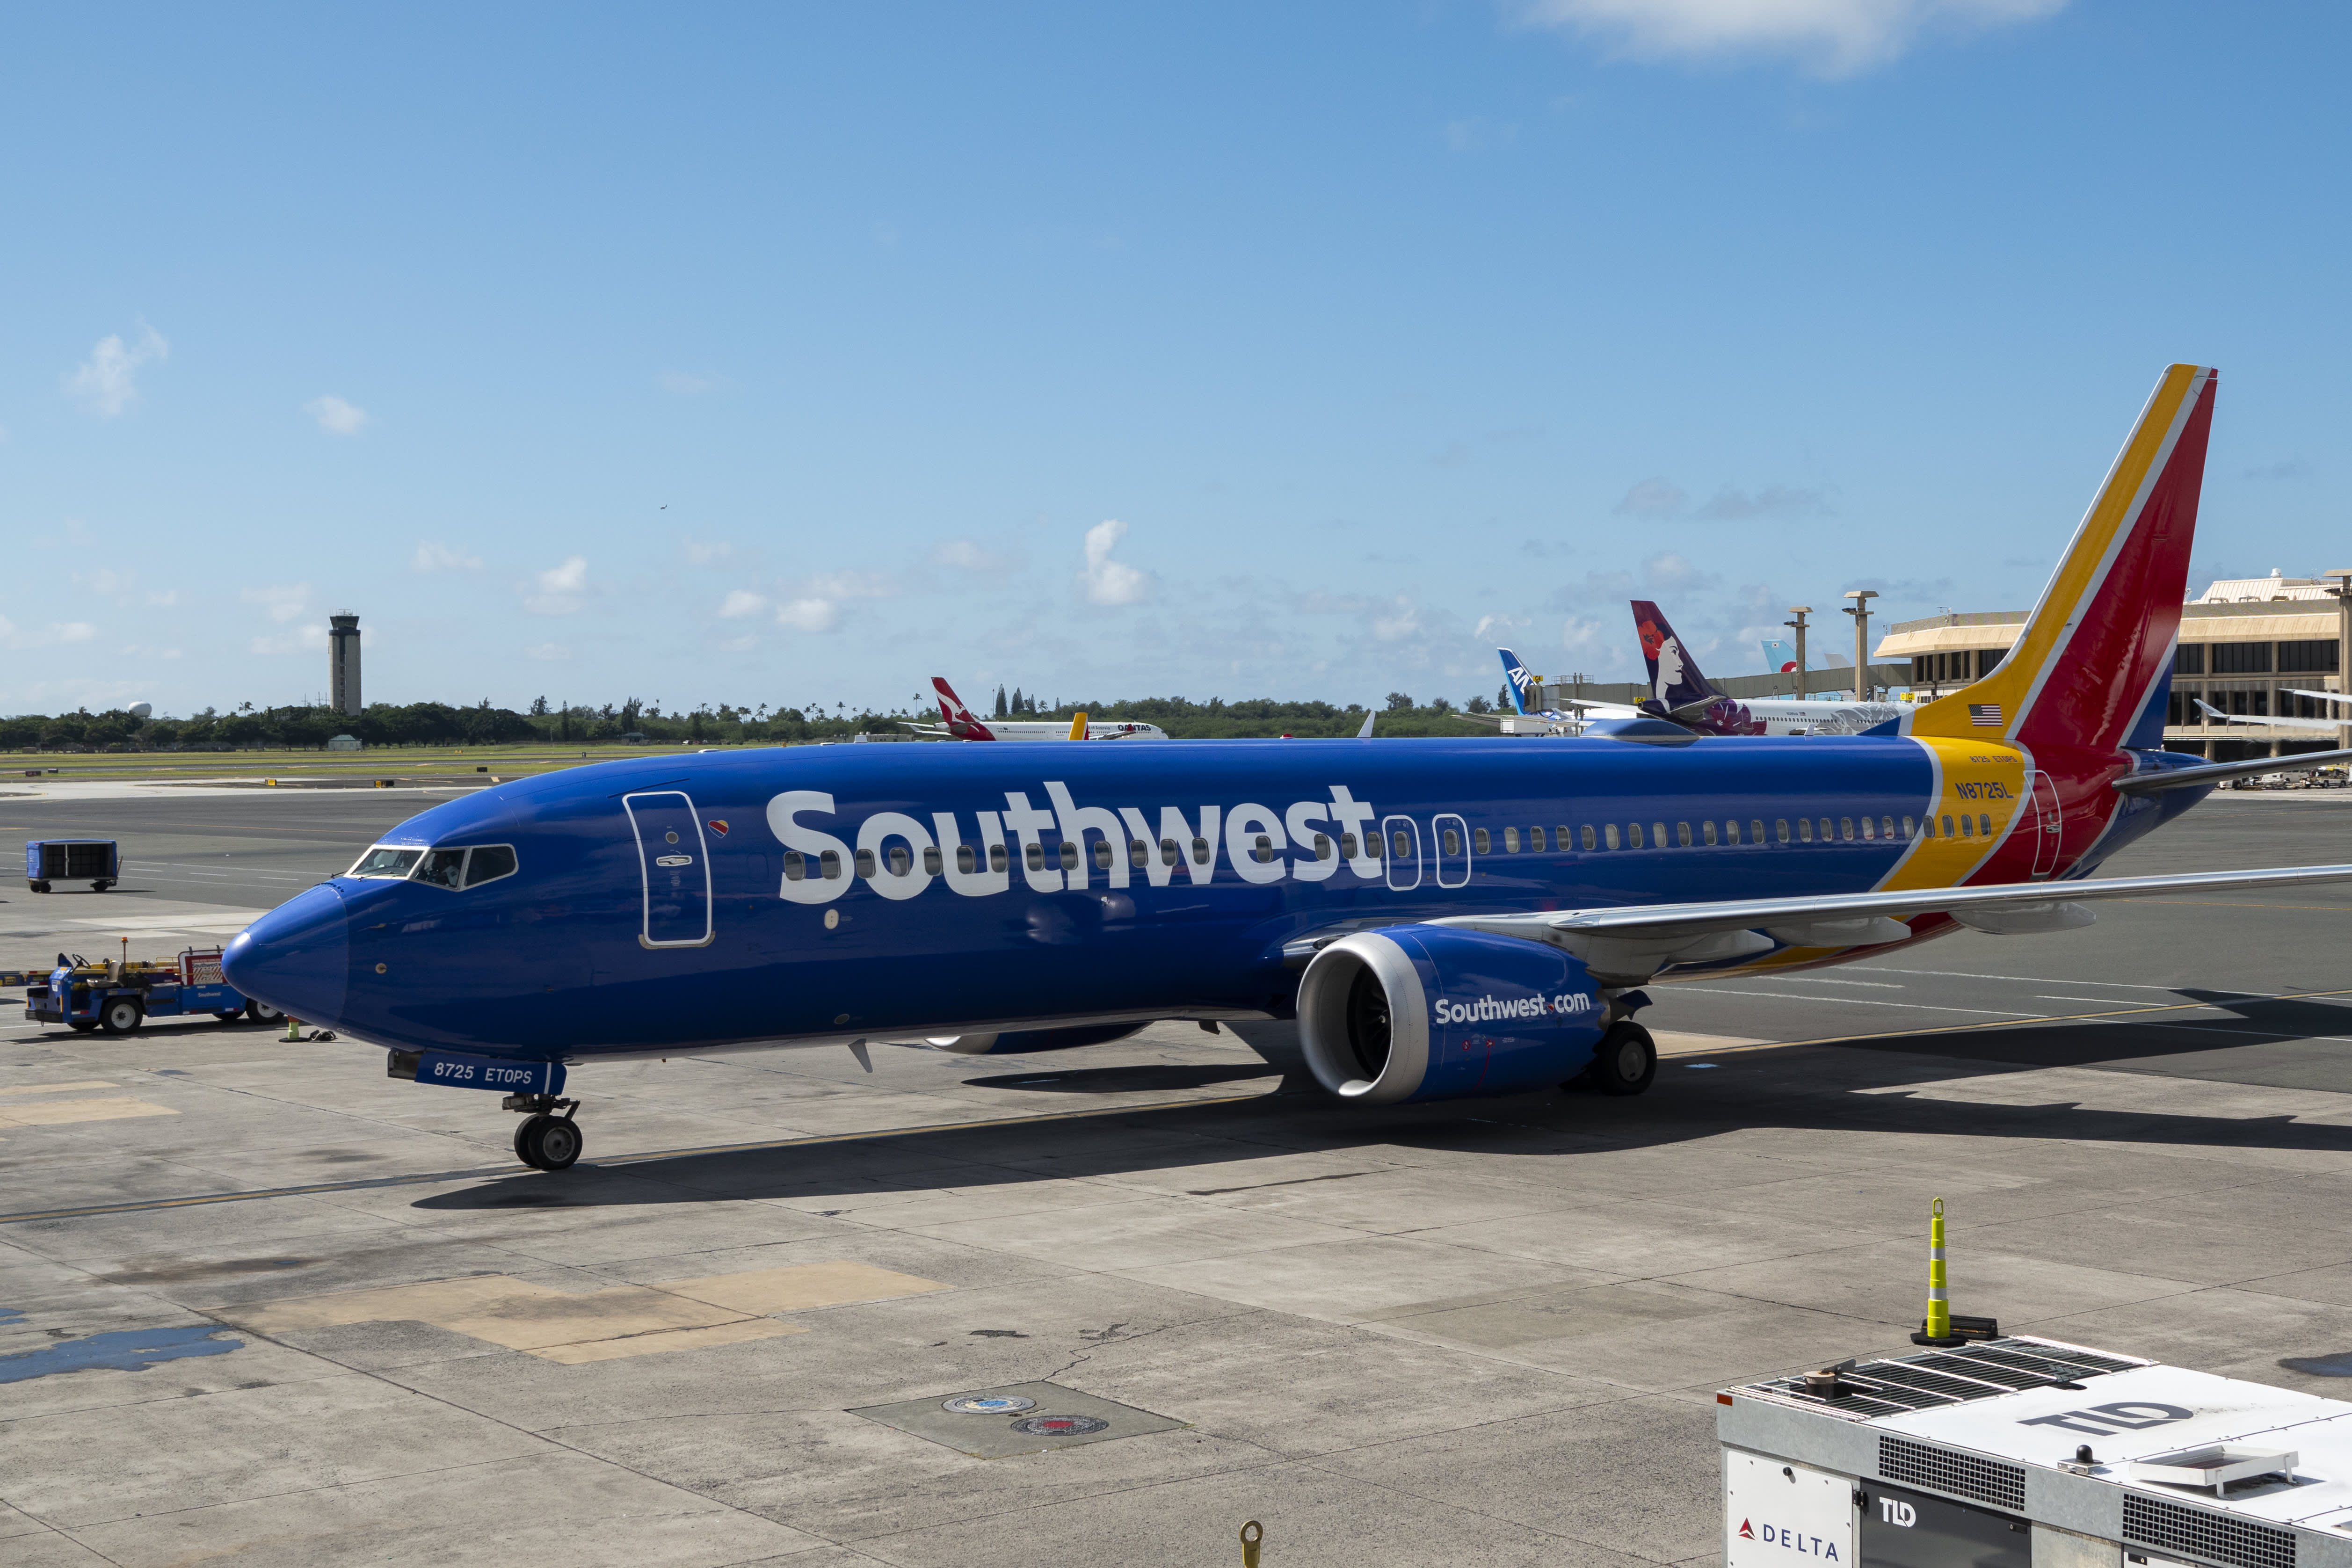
(119, 995)
(93, 860)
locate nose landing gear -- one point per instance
(545, 1140)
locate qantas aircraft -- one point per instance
(959, 722)
(1443, 918)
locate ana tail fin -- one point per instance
(1516, 678)
(2098, 648)
(1675, 682)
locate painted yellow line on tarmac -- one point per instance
(425, 1178)
(2028, 1021)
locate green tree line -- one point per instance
(310, 727)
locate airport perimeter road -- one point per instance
(259, 1302)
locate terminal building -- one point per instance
(2247, 646)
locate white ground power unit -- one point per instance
(2031, 1453)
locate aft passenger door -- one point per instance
(2049, 823)
(676, 862)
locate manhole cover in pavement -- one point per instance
(1060, 1427)
(1029, 1418)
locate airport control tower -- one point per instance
(343, 661)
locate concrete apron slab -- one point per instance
(573, 1328)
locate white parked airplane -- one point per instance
(961, 724)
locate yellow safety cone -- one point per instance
(1252, 1534)
(294, 1037)
(1939, 1325)
(1940, 1328)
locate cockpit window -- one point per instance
(385, 861)
(490, 862)
(444, 868)
(461, 867)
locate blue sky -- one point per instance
(795, 354)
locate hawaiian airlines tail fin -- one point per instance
(1516, 676)
(2094, 662)
(1675, 682)
(961, 722)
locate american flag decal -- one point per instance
(1985, 715)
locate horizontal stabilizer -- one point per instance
(2214, 773)
(2329, 725)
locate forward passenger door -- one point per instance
(675, 861)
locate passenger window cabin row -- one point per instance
(1536, 840)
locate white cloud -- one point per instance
(677, 384)
(432, 555)
(106, 383)
(1110, 582)
(1401, 622)
(56, 632)
(284, 602)
(853, 586)
(745, 644)
(809, 614)
(742, 602)
(1830, 37)
(336, 416)
(701, 554)
(165, 599)
(964, 556)
(302, 639)
(560, 589)
(1728, 505)
(547, 652)
(1652, 497)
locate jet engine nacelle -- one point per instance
(1427, 1011)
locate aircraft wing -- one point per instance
(2323, 696)
(1632, 943)
(2330, 725)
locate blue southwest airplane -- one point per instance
(1443, 918)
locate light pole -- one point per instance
(1801, 612)
(1860, 611)
(2343, 592)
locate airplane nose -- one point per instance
(297, 957)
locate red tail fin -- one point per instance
(962, 723)
(2101, 639)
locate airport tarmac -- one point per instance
(259, 1302)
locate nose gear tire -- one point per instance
(1626, 1061)
(550, 1143)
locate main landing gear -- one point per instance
(1625, 1062)
(545, 1140)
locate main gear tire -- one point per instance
(1626, 1061)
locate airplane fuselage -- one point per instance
(818, 894)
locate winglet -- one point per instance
(1079, 725)
(1366, 733)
